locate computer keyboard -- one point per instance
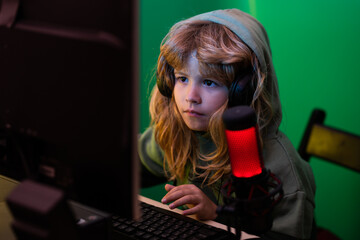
(160, 224)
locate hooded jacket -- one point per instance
(293, 215)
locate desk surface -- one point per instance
(6, 186)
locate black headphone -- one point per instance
(240, 91)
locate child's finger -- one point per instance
(168, 187)
(175, 193)
(192, 210)
(172, 195)
(169, 196)
(180, 201)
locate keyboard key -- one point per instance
(139, 233)
(206, 232)
(129, 230)
(147, 236)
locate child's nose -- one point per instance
(193, 95)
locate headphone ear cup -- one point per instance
(240, 91)
(163, 88)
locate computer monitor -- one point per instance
(68, 98)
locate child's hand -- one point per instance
(189, 194)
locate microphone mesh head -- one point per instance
(244, 152)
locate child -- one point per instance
(208, 63)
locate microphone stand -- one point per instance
(249, 202)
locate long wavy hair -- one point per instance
(223, 55)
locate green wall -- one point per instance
(316, 49)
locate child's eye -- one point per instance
(182, 79)
(210, 83)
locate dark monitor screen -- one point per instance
(68, 99)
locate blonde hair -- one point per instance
(223, 55)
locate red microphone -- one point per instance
(256, 189)
(243, 142)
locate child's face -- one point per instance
(197, 97)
